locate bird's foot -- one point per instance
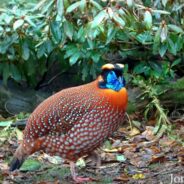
(79, 179)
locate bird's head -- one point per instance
(112, 77)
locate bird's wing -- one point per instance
(57, 114)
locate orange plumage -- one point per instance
(74, 121)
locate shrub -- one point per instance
(89, 33)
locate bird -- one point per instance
(75, 121)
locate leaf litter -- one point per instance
(129, 156)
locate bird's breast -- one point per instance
(118, 99)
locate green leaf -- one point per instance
(48, 46)
(148, 19)
(96, 5)
(162, 50)
(30, 165)
(6, 73)
(110, 34)
(98, 19)
(164, 2)
(90, 43)
(70, 50)
(16, 74)
(176, 62)
(81, 34)
(82, 6)
(120, 158)
(96, 56)
(118, 20)
(47, 7)
(172, 46)
(41, 50)
(18, 23)
(5, 123)
(69, 30)
(175, 28)
(60, 8)
(156, 42)
(144, 37)
(74, 58)
(72, 7)
(56, 31)
(25, 51)
(30, 22)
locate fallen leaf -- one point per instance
(120, 158)
(53, 159)
(30, 165)
(157, 158)
(134, 131)
(123, 177)
(138, 176)
(148, 133)
(80, 163)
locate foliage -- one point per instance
(89, 33)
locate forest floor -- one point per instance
(129, 156)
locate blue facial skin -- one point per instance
(113, 82)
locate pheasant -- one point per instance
(75, 121)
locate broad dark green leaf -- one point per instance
(141, 68)
(81, 34)
(60, 8)
(48, 46)
(175, 28)
(162, 49)
(73, 59)
(41, 50)
(172, 46)
(47, 7)
(30, 22)
(82, 6)
(119, 20)
(90, 43)
(56, 31)
(18, 23)
(72, 7)
(25, 51)
(96, 4)
(69, 29)
(144, 38)
(70, 50)
(176, 62)
(15, 73)
(96, 56)
(111, 33)
(99, 18)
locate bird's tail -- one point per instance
(18, 159)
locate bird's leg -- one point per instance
(76, 178)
